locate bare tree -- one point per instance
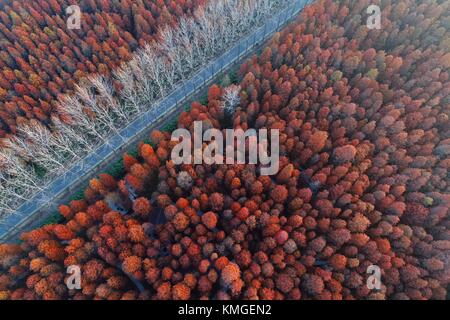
(71, 107)
(132, 94)
(75, 138)
(35, 143)
(18, 180)
(231, 98)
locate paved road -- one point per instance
(38, 208)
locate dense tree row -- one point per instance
(363, 180)
(100, 105)
(42, 58)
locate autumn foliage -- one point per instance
(363, 118)
(41, 58)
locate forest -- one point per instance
(86, 84)
(41, 58)
(363, 116)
